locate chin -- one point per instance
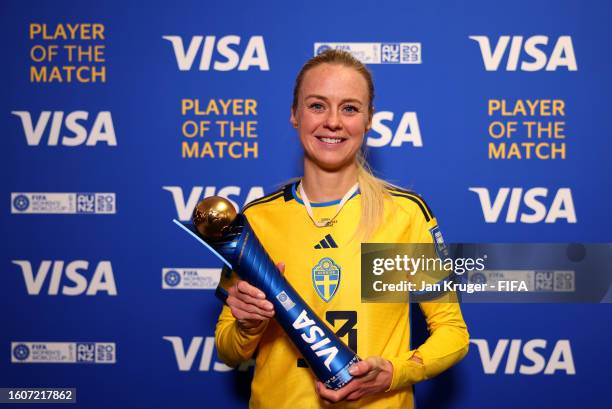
(332, 164)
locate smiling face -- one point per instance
(331, 115)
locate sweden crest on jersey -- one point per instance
(326, 278)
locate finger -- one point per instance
(263, 305)
(245, 291)
(340, 394)
(355, 396)
(360, 368)
(252, 308)
(233, 290)
(248, 289)
(325, 401)
(247, 316)
(376, 366)
(242, 315)
(326, 394)
(241, 310)
(281, 267)
(318, 387)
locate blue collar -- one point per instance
(317, 204)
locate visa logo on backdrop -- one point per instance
(186, 359)
(184, 207)
(406, 131)
(102, 129)
(227, 57)
(536, 356)
(536, 199)
(75, 277)
(539, 53)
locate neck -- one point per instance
(324, 186)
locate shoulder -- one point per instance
(278, 197)
(410, 202)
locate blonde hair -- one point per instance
(373, 190)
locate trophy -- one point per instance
(230, 237)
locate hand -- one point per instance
(371, 376)
(249, 305)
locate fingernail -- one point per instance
(261, 295)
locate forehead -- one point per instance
(333, 80)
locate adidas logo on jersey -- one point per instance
(326, 243)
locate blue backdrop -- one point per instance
(99, 155)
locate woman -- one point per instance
(317, 224)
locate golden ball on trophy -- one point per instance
(213, 216)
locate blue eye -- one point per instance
(316, 106)
(351, 108)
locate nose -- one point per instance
(333, 120)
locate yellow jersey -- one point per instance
(282, 379)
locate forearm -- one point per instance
(235, 344)
(447, 344)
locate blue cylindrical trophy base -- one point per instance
(326, 354)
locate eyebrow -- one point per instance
(326, 99)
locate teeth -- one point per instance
(331, 140)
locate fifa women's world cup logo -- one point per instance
(230, 237)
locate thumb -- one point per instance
(281, 267)
(360, 368)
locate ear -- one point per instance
(293, 119)
(369, 124)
